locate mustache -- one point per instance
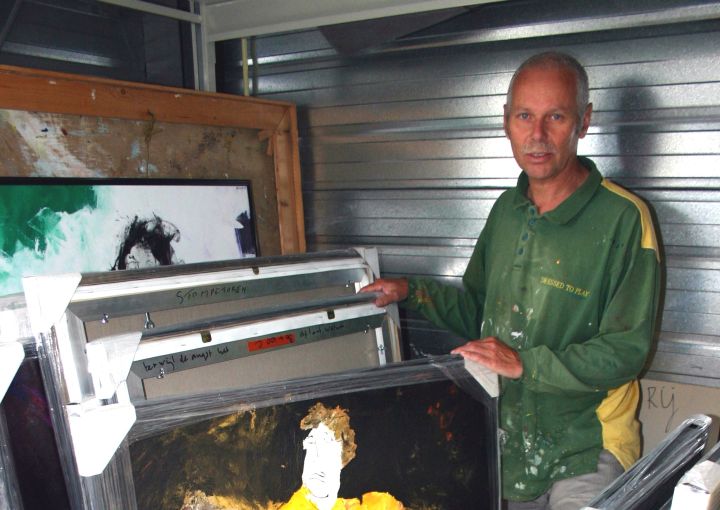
(534, 147)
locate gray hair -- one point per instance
(558, 60)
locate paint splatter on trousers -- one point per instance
(577, 492)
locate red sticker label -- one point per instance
(271, 342)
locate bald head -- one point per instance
(560, 61)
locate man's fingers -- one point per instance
(371, 287)
(392, 289)
(493, 354)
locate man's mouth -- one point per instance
(538, 156)
(538, 150)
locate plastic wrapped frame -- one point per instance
(649, 483)
(84, 367)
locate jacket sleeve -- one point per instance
(618, 351)
(458, 309)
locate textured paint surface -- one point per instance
(32, 228)
(428, 445)
(54, 229)
(29, 213)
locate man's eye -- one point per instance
(523, 115)
(556, 116)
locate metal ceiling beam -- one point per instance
(666, 16)
(160, 10)
(231, 19)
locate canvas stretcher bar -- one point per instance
(335, 334)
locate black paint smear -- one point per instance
(154, 235)
(245, 237)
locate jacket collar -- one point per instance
(573, 204)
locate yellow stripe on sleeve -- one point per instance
(649, 239)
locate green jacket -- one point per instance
(575, 292)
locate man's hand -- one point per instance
(393, 290)
(494, 354)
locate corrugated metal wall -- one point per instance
(92, 38)
(403, 149)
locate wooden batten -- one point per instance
(45, 91)
(288, 192)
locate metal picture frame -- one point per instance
(97, 332)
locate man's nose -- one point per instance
(539, 131)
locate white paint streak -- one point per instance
(97, 233)
(93, 95)
(135, 149)
(48, 154)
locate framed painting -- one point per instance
(418, 435)
(50, 226)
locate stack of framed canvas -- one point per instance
(185, 387)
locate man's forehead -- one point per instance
(548, 69)
(550, 86)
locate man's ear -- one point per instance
(506, 112)
(585, 121)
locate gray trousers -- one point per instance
(575, 493)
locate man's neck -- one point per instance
(547, 194)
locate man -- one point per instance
(559, 298)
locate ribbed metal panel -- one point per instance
(92, 38)
(403, 149)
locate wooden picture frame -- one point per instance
(274, 124)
